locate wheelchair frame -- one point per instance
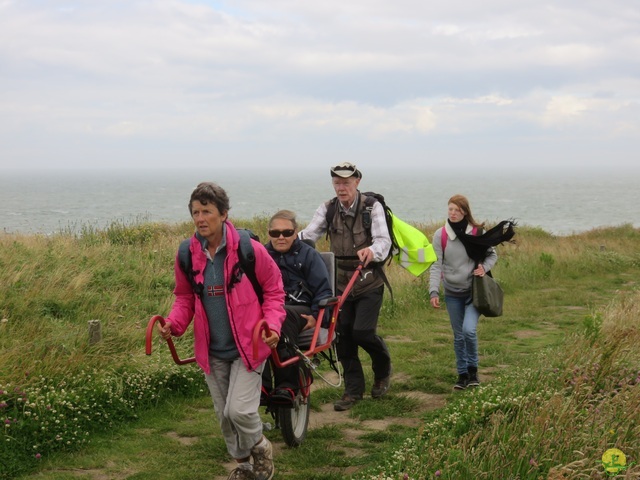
(292, 420)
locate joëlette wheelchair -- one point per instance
(292, 420)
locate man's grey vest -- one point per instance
(347, 235)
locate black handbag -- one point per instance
(487, 296)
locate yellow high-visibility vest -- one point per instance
(416, 253)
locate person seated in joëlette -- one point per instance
(306, 283)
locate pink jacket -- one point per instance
(242, 303)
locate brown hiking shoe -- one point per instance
(380, 387)
(345, 403)
(241, 474)
(263, 461)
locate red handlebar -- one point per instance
(335, 303)
(257, 335)
(172, 347)
(262, 325)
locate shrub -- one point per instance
(53, 414)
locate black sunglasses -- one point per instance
(285, 233)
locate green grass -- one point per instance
(149, 448)
(140, 417)
(551, 419)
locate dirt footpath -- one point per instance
(353, 428)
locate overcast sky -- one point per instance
(293, 83)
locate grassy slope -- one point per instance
(50, 288)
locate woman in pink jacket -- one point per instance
(225, 310)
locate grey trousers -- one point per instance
(236, 399)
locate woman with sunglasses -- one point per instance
(306, 282)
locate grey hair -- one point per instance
(210, 193)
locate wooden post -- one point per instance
(95, 331)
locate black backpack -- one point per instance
(246, 263)
(369, 200)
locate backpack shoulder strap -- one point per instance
(366, 218)
(366, 212)
(332, 206)
(247, 260)
(444, 237)
(369, 201)
(186, 264)
(246, 256)
(184, 256)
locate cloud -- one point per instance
(564, 109)
(162, 75)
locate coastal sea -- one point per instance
(560, 203)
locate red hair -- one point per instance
(462, 203)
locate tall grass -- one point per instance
(57, 390)
(553, 419)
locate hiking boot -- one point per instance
(473, 381)
(262, 461)
(241, 474)
(463, 381)
(380, 387)
(345, 403)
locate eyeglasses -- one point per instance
(285, 233)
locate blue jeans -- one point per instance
(464, 322)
